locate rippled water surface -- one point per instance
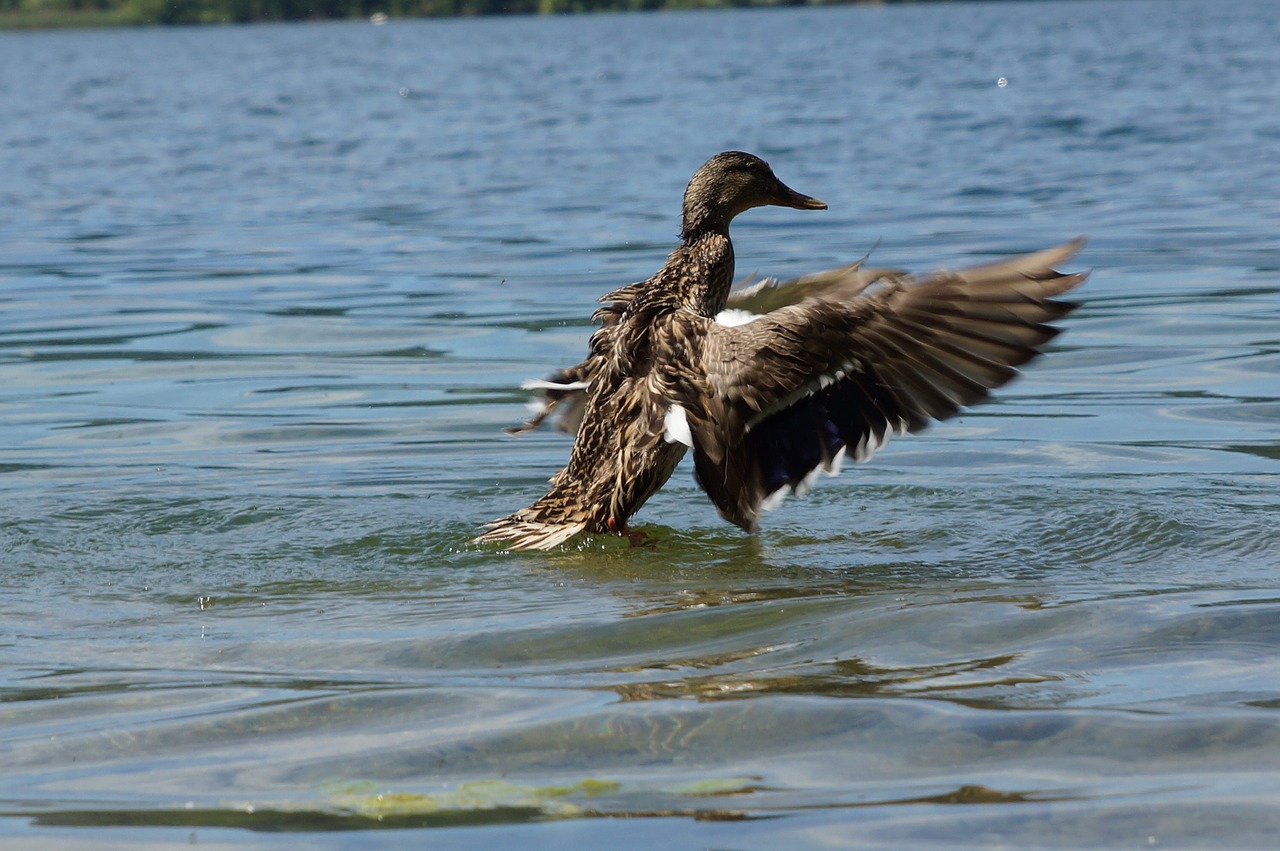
(266, 297)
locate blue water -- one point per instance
(266, 297)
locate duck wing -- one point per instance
(562, 395)
(798, 389)
(842, 284)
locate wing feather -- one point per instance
(800, 388)
(843, 284)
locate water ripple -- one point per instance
(262, 327)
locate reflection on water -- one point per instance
(263, 324)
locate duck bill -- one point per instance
(788, 197)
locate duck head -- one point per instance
(729, 183)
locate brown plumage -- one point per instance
(822, 367)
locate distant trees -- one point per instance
(92, 12)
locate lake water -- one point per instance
(266, 298)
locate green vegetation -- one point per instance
(16, 14)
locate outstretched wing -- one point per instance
(797, 390)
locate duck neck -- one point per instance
(708, 271)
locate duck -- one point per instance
(777, 382)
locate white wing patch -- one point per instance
(806, 484)
(540, 384)
(773, 500)
(870, 444)
(833, 466)
(732, 317)
(676, 425)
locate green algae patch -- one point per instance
(367, 805)
(716, 786)
(362, 799)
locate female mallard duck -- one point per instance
(836, 363)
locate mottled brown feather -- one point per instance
(918, 350)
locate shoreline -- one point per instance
(133, 13)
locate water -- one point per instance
(265, 297)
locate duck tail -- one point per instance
(519, 532)
(548, 523)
